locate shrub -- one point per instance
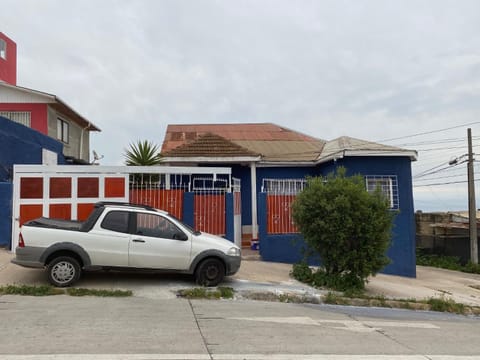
(349, 228)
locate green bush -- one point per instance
(446, 262)
(302, 272)
(440, 261)
(472, 268)
(349, 228)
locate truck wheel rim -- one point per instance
(63, 272)
(212, 272)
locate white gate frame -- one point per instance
(79, 171)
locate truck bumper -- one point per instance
(28, 256)
(233, 264)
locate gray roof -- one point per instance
(344, 146)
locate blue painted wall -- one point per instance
(6, 191)
(230, 216)
(22, 145)
(282, 248)
(18, 145)
(188, 209)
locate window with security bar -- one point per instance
(388, 186)
(283, 186)
(21, 117)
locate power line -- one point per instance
(431, 132)
(445, 148)
(445, 183)
(437, 169)
(441, 177)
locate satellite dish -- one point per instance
(96, 157)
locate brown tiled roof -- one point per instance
(274, 143)
(177, 135)
(209, 145)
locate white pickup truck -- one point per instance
(124, 236)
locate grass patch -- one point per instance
(433, 304)
(446, 305)
(446, 262)
(29, 290)
(47, 290)
(98, 292)
(207, 293)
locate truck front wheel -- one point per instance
(63, 271)
(210, 272)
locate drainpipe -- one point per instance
(81, 142)
(253, 180)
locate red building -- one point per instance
(39, 110)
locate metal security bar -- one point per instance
(283, 186)
(161, 191)
(21, 117)
(388, 186)
(281, 194)
(209, 204)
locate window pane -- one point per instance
(59, 129)
(3, 49)
(156, 226)
(65, 132)
(387, 185)
(116, 221)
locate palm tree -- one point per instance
(142, 153)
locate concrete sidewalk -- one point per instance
(259, 275)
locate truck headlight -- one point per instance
(233, 251)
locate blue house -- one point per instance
(21, 145)
(274, 161)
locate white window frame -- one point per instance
(21, 117)
(283, 186)
(3, 49)
(388, 186)
(63, 130)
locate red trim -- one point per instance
(8, 66)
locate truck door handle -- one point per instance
(138, 240)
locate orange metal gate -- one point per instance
(209, 205)
(281, 194)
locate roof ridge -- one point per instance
(206, 143)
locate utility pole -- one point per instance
(472, 211)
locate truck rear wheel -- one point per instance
(63, 271)
(210, 272)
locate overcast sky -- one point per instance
(374, 70)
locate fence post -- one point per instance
(230, 214)
(6, 211)
(262, 221)
(188, 209)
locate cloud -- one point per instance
(370, 69)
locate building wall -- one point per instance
(8, 66)
(286, 248)
(72, 148)
(38, 113)
(402, 250)
(243, 173)
(444, 234)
